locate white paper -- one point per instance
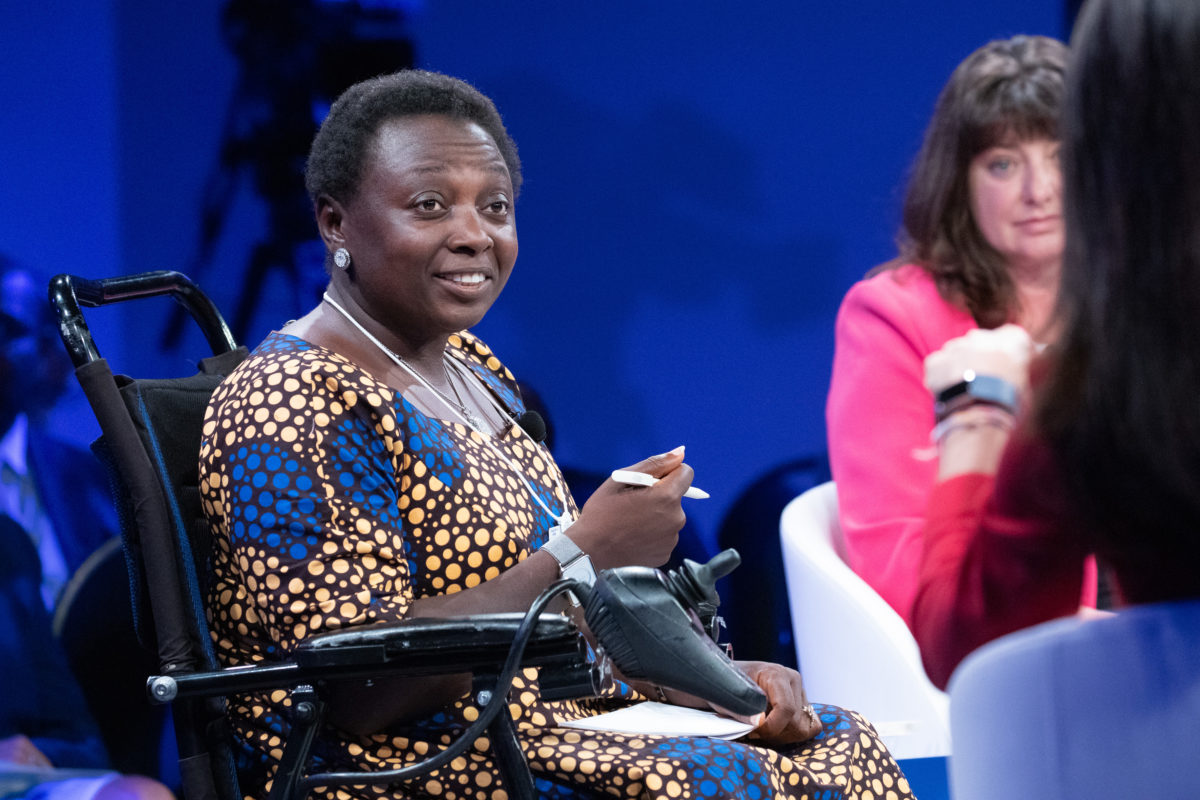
(665, 720)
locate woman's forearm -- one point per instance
(366, 707)
(972, 441)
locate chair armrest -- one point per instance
(420, 646)
(431, 645)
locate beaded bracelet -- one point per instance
(972, 418)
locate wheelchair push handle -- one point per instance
(69, 292)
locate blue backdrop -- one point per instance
(704, 180)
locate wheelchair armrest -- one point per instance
(419, 646)
(433, 645)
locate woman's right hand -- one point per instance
(623, 525)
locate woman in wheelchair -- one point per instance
(364, 464)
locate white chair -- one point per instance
(1068, 710)
(854, 650)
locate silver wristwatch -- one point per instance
(572, 562)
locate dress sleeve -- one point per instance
(1000, 554)
(879, 416)
(304, 497)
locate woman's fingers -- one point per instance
(789, 717)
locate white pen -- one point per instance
(642, 479)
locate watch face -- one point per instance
(580, 569)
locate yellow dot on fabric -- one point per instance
(433, 787)
(453, 571)
(289, 434)
(462, 543)
(654, 783)
(262, 415)
(349, 398)
(340, 566)
(483, 779)
(462, 516)
(281, 415)
(470, 713)
(416, 515)
(674, 789)
(363, 525)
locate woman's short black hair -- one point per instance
(340, 148)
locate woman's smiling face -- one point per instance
(431, 230)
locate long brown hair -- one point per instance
(1010, 87)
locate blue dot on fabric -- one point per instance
(273, 462)
(283, 506)
(252, 461)
(259, 480)
(250, 512)
(273, 540)
(346, 479)
(305, 504)
(267, 520)
(298, 551)
(753, 792)
(280, 481)
(304, 483)
(707, 788)
(238, 472)
(245, 493)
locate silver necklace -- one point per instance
(460, 408)
(564, 519)
(472, 419)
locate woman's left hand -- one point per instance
(1003, 352)
(789, 717)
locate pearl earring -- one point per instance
(341, 258)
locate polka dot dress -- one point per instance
(334, 502)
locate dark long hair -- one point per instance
(1010, 87)
(1120, 404)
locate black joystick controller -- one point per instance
(659, 628)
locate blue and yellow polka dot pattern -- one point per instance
(334, 502)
